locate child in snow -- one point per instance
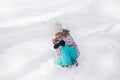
(66, 46)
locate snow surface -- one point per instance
(26, 31)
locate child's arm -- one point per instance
(61, 43)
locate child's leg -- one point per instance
(58, 62)
(73, 53)
(66, 58)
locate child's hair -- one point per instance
(66, 32)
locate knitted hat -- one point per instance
(58, 27)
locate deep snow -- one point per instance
(26, 31)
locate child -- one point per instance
(66, 46)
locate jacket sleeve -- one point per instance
(61, 43)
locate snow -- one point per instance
(26, 31)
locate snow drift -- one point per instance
(26, 30)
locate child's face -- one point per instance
(58, 35)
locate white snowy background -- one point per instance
(26, 31)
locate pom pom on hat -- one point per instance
(58, 27)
